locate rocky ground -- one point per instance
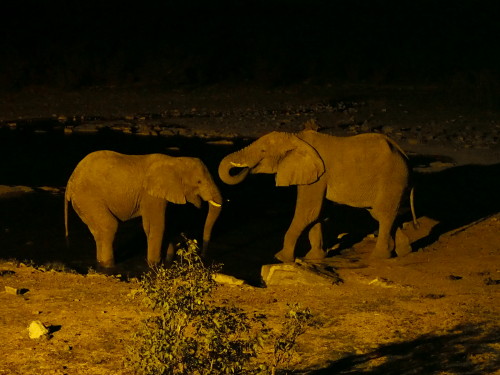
(434, 311)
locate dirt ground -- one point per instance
(434, 311)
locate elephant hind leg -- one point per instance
(103, 226)
(403, 244)
(385, 241)
(316, 241)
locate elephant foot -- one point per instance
(315, 254)
(105, 268)
(284, 256)
(380, 254)
(105, 264)
(403, 245)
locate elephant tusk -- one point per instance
(239, 165)
(213, 203)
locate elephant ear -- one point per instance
(164, 180)
(300, 165)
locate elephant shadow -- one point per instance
(456, 197)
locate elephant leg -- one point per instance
(316, 241)
(153, 222)
(103, 226)
(385, 240)
(307, 210)
(104, 231)
(170, 253)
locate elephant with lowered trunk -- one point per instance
(107, 187)
(367, 170)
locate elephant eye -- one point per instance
(199, 182)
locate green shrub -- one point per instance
(296, 321)
(189, 333)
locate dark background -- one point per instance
(74, 44)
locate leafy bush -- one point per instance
(297, 320)
(188, 333)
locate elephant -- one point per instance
(367, 170)
(107, 187)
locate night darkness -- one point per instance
(74, 44)
(204, 79)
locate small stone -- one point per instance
(11, 290)
(37, 330)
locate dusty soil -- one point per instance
(434, 311)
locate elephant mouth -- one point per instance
(237, 168)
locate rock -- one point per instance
(37, 330)
(88, 128)
(50, 189)
(145, 129)
(11, 290)
(221, 142)
(383, 282)
(226, 279)
(11, 191)
(299, 273)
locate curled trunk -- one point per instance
(227, 165)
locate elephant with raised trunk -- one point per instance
(107, 187)
(367, 170)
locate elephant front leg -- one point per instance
(153, 222)
(307, 210)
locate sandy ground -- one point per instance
(434, 311)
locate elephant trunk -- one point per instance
(214, 209)
(227, 164)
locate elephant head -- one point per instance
(293, 160)
(184, 179)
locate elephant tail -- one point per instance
(416, 225)
(66, 200)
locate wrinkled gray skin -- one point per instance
(107, 187)
(367, 170)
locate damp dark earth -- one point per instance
(434, 311)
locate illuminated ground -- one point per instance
(432, 312)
